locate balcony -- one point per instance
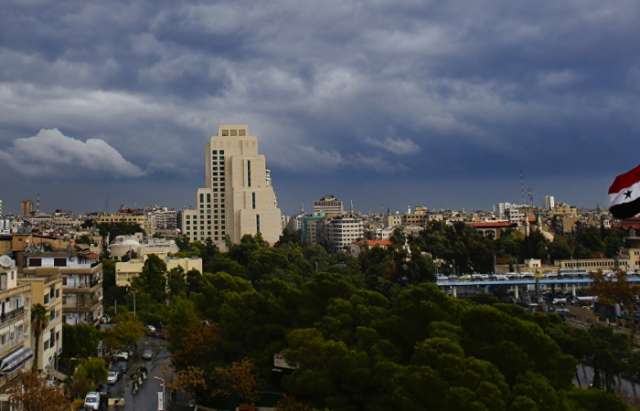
(86, 305)
(82, 287)
(7, 317)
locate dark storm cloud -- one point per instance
(349, 90)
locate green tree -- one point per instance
(126, 331)
(89, 374)
(80, 340)
(559, 249)
(176, 282)
(153, 279)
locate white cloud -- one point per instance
(396, 145)
(51, 153)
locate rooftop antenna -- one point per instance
(351, 206)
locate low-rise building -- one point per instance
(134, 244)
(81, 281)
(493, 228)
(593, 264)
(126, 271)
(15, 330)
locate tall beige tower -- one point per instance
(238, 198)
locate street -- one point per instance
(146, 399)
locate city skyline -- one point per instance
(442, 104)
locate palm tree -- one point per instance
(39, 321)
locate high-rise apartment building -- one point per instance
(26, 208)
(329, 205)
(549, 202)
(238, 197)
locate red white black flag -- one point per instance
(624, 194)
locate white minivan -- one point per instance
(92, 401)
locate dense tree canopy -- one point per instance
(371, 333)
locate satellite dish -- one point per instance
(6, 262)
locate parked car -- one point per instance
(122, 356)
(92, 401)
(113, 376)
(147, 354)
(120, 366)
(151, 329)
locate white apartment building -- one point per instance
(81, 282)
(549, 202)
(343, 231)
(238, 197)
(163, 219)
(15, 329)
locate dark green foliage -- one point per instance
(116, 229)
(153, 279)
(80, 341)
(373, 333)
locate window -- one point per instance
(35, 262)
(257, 223)
(242, 132)
(249, 173)
(253, 200)
(201, 198)
(59, 262)
(234, 132)
(225, 133)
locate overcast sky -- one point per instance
(386, 103)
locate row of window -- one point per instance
(53, 338)
(234, 132)
(12, 336)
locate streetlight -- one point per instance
(164, 394)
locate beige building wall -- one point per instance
(47, 291)
(238, 198)
(15, 324)
(127, 271)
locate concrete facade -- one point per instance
(238, 197)
(46, 290)
(16, 354)
(81, 281)
(126, 271)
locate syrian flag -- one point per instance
(624, 195)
